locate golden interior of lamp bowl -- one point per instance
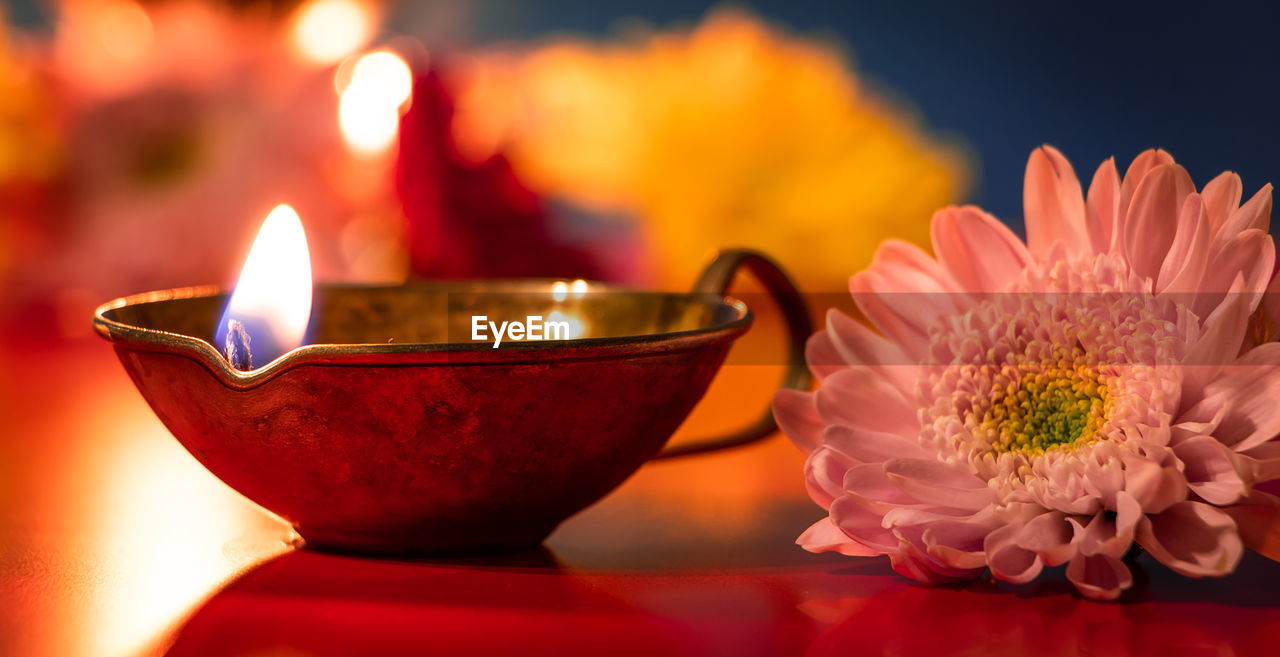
(442, 313)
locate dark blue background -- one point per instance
(1093, 78)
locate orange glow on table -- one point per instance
(116, 530)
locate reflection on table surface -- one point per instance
(116, 543)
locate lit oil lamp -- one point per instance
(390, 429)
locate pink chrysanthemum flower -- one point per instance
(1015, 406)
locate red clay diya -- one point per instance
(393, 432)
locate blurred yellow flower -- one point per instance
(732, 134)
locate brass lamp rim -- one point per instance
(392, 354)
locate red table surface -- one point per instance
(116, 542)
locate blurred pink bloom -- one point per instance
(1015, 406)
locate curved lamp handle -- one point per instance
(716, 279)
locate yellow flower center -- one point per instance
(1059, 407)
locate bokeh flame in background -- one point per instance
(325, 31)
(373, 94)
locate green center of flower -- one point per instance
(1055, 407)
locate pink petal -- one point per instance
(824, 473)
(1112, 534)
(821, 355)
(1258, 521)
(1102, 208)
(1251, 253)
(871, 446)
(1053, 205)
(868, 482)
(1192, 538)
(1151, 221)
(1221, 198)
(1185, 263)
(863, 526)
(859, 345)
(1057, 253)
(1262, 463)
(1246, 394)
(1199, 420)
(1218, 345)
(1138, 169)
(901, 300)
(919, 517)
(911, 563)
(911, 270)
(1105, 480)
(1210, 470)
(825, 536)
(1050, 536)
(957, 543)
(1099, 577)
(981, 253)
(912, 568)
(1270, 306)
(899, 255)
(1009, 561)
(1156, 487)
(1254, 214)
(861, 398)
(796, 413)
(934, 482)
